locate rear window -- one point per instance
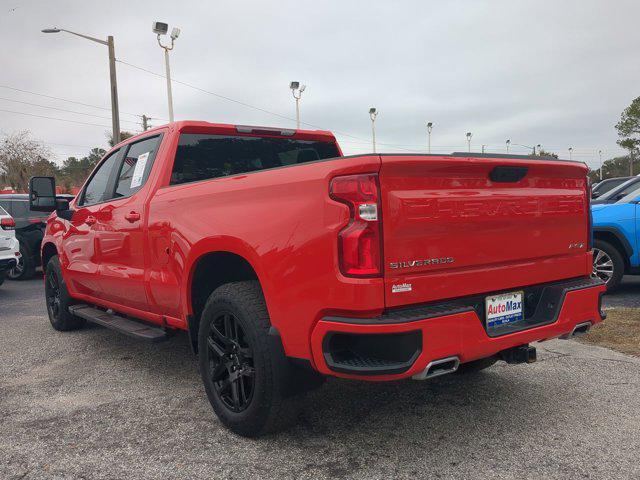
(201, 157)
(3, 211)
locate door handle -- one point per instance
(90, 220)
(132, 216)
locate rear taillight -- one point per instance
(589, 216)
(7, 223)
(359, 243)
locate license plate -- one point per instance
(503, 309)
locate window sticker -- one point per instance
(138, 173)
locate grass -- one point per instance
(620, 331)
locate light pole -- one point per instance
(296, 91)
(508, 142)
(570, 153)
(539, 147)
(600, 155)
(469, 135)
(159, 29)
(429, 128)
(115, 112)
(373, 113)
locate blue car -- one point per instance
(615, 233)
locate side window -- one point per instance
(136, 166)
(96, 189)
(201, 156)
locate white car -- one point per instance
(9, 245)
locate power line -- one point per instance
(248, 105)
(63, 110)
(54, 118)
(63, 99)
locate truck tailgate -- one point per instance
(456, 226)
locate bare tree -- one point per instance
(21, 158)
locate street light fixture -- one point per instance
(429, 128)
(373, 113)
(570, 153)
(508, 142)
(469, 135)
(160, 28)
(115, 112)
(296, 91)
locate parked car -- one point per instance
(618, 192)
(615, 232)
(29, 232)
(9, 248)
(606, 185)
(286, 262)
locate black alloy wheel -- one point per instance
(52, 293)
(230, 362)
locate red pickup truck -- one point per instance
(286, 262)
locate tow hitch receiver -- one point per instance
(520, 354)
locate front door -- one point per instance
(79, 245)
(121, 232)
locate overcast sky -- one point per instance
(557, 73)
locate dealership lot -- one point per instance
(96, 404)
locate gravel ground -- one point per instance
(95, 404)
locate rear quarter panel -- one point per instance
(283, 223)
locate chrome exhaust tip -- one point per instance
(437, 368)
(579, 329)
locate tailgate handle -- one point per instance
(505, 174)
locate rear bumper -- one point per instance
(412, 338)
(7, 263)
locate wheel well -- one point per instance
(48, 251)
(211, 271)
(612, 239)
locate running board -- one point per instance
(132, 328)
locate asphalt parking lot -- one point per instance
(95, 404)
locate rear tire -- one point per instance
(608, 264)
(58, 299)
(25, 268)
(476, 366)
(243, 367)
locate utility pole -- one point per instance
(373, 113)
(429, 128)
(115, 111)
(145, 123)
(483, 148)
(600, 155)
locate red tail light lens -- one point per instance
(7, 223)
(589, 215)
(359, 243)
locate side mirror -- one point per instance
(42, 194)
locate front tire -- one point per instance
(58, 299)
(244, 375)
(608, 264)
